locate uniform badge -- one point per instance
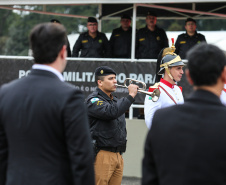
(182, 42)
(117, 35)
(99, 102)
(141, 39)
(102, 71)
(84, 41)
(94, 100)
(100, 41)
(158, 38)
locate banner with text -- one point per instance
(81, 74)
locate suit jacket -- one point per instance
(186, 145)
(44, 133)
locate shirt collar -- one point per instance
(167, 83)
(192, 35)
(48, 68)
(105, 95)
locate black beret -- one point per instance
(92, 19)
(55, 21)
(126, 16)
(151, 13)
(104, 71)
(190, 19)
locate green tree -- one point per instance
(175, 27)
(7, 18)
(18, 43)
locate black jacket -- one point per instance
(120, 42)
(185, 42)
(68, 49)
(98, 47)
(44, 133)
(107, 118)
(150, 43)
(186, 144)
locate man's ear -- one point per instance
(190, 81)
(223, 75)
(99, 83)
(63, 52)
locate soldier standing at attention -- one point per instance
(92, 44)
(187, 40)
(170, 68)
(151, 39)
(121, 39)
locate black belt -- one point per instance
(120, 149)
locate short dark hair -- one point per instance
(46, 41)
(205, 63)
(99, 78)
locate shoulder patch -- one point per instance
(158, 38)
(94, 100)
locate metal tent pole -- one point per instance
(100, 20)
(133, 32)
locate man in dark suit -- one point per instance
(186, 145)
(44, 132)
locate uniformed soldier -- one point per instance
(151, 39)
(68, 43)
(108, 126)
(170, 66)
(187, 40)
(93, 44)
(121, 37)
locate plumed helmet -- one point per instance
(167, 58)
(170, 60)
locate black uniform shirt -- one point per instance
(107, 118)
(97, 47)
(185, 42)
(150, 43)
(120, 42)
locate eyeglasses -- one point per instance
(92, 24)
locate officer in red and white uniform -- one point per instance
(223, 95)
(170, 68)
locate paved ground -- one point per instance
(131, 181)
